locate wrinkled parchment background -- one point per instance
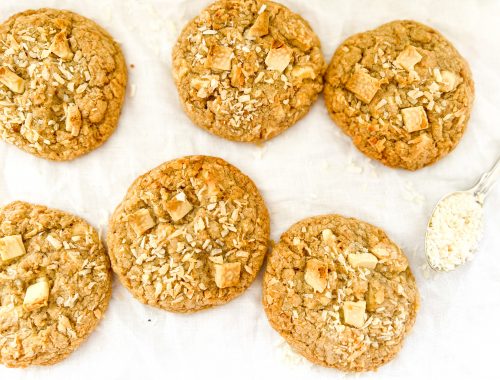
(310, 169)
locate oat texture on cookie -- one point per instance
(190, 234)
(246, 70)
(340, 292)
(402, 92)
(55, 284)
(62, 83)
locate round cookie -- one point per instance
(340, 292)
(247, 70)
(190, 234)
(62, 83)
(55, 284)
(402, 92)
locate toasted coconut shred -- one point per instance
(454, 231)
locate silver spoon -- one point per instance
(479, 191)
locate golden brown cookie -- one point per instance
(247, 70)
(402, 92)
(190, 234)
(340, 292)
(62, 83)
(55, 284)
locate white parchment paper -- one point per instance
(310, 169)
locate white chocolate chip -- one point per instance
(354, 313)
(73, 120)
(316, 274)
(178, 207)
(328, 237)
(260, 27)
(204, 86)
(279, 58)
(141, 221)
(408, 58)
(227, 275)
(415, 118)
(11, 247)
(219, 58)
(381, 250)
(60, 46)
(10, 79)
(303, 72)
(237, 78)
(375, 296)
(363, 85)
(36, 295)
(449, 81)
(363, 260)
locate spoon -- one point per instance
(479, 192)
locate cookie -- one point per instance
(62, 83)
(340, 293)
(190, 234)
(55, 284)
(402, 92)
(247, 70)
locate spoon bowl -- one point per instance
(479, 192)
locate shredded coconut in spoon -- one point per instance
(454, 231)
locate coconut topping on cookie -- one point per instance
(247, 69)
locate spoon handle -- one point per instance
(487, 181)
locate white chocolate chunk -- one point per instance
(328, 237)
(375, 295)
(141, 221)
(10, 79)
(408, 58)
(316, 274)
(388, 251)
(354, 313)
(449, 81)
(303, 72)
(219, 58)
(73, 120)
(364, 260)
(204, 86)
(227, 275)
(415, 118)
(36, 295)
(60, 46)
(279, 58)
(178, 207)
(11, 247)
(382, 251)
(237, 77)
(437, 74)
(363, 85)
(260, 27)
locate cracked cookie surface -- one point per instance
(62, 83)
(55, 284)
(340, 292)
(190, 234)
(402, 92)
(247, 70)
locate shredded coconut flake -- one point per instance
(454, 231)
